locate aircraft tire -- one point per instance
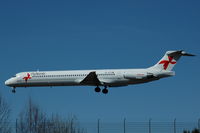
(97, 89)
(105, 91)
(13, 91)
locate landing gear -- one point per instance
(97, 89)
(105, 90)
(14, 90)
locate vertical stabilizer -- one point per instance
(169, 60)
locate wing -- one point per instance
(91, 79)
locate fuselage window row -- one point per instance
(73, 75)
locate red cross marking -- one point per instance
(167, 62)
(27, 77)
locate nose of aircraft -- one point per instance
(8, 82)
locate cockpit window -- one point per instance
(14, 76)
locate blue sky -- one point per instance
(68, 35)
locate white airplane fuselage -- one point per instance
(110, 77)
(106, 78)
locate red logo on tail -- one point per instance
(27, 77)
(167, 62)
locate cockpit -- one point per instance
(12, 80)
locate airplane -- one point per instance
(98, 78)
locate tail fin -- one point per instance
(170, 59)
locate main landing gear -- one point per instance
(14, 90)
(97, 89)
(104, 91)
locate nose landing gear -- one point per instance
(14, 90)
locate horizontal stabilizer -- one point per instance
(183, 53)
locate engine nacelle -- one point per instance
(139, 76)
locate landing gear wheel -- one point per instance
(13, 90)
(105, 91)
(97, 89)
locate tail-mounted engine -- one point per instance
(139, 76)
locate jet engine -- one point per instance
(139, 76)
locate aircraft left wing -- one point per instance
(91, 79)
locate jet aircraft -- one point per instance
(99, 78)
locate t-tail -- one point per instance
(169, 60)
